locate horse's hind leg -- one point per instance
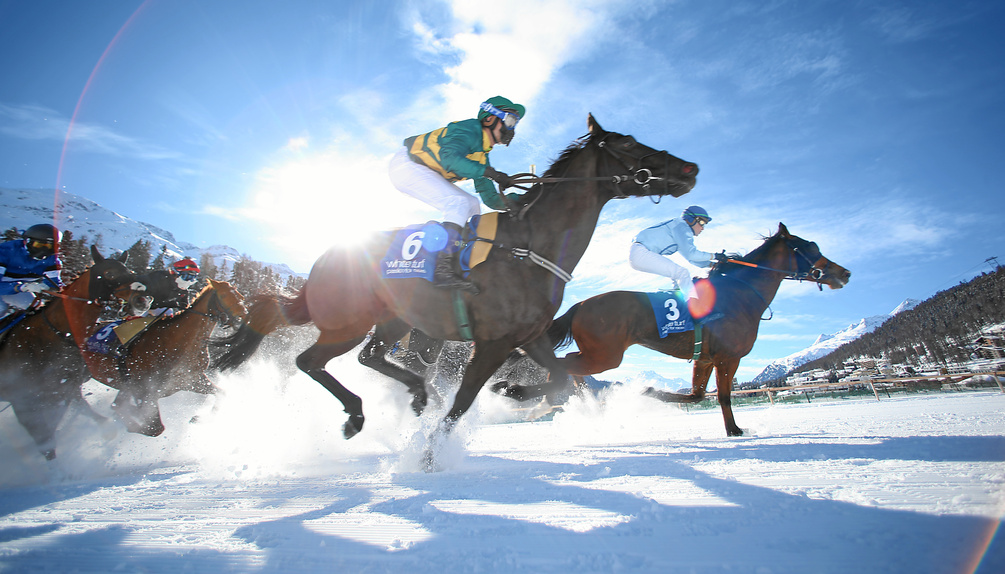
(41, 420)
(699, 380)
(374, 353)
(313, 361)
(541, 352)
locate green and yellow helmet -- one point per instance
(496, 104)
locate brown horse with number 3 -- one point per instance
(345, 295)
(604, 326)
(170, 355)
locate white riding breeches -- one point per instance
(430, 187)
(16, 301)
(642, 259)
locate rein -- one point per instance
(815, 273)
(640, 176)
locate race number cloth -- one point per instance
(413, 252)
(104, 343)
(670, 309)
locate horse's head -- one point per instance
(639, 170)
(227, 307)
(810, 264)
(106, 275)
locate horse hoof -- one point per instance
(429, 462)
(419, 405)
(507, 390)
(352, 426)
(735, 432)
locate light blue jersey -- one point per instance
(671, 237)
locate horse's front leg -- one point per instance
(488, 356)
(541, 352)
(139, 411)
(724, 387)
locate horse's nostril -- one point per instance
(689, 169)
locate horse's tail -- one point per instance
(560, 332)
(266, 313)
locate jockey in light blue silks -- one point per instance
(673, 236)
(427, 166)
(29, 266)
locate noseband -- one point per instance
(633, 163)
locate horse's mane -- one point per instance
(769, 240)
(557, 168)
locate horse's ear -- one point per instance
(782, 229)
(593, 125)
(95, 255)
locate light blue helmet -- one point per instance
(694, 213)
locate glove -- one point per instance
(33, 287)
(499, 177)
(720, 257)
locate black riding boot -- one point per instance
(444, 274)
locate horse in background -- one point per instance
(736, 292)
(170, 354)
(522, 280)
(41, 369)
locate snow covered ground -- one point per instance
(263, 482)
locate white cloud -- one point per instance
(39, 123)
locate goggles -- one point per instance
(702, 221)
(188, 276)
(509, 120)
(41, 243)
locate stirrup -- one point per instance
(445, 277)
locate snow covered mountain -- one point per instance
(22, 208)
(658, 381)
(827, 343)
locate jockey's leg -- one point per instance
(456, 204)
(642, 259)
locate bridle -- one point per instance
(816, 272)
(632, 163)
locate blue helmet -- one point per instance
(694, 213)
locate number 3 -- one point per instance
(674, 312)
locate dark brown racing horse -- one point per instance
(41, 370)
(733, 299)
(522, 280)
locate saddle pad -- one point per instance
(127, 330)
(408, 257)
(482, 230)
(104, 341)
(670, 309)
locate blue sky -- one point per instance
(873, 128)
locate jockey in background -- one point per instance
(673, 236)
(427, 166)
(29, 266)
(170, 288)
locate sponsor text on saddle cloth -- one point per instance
(413, 249)
(670, 309)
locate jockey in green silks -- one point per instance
(427, 166)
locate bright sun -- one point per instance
(329, 199)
